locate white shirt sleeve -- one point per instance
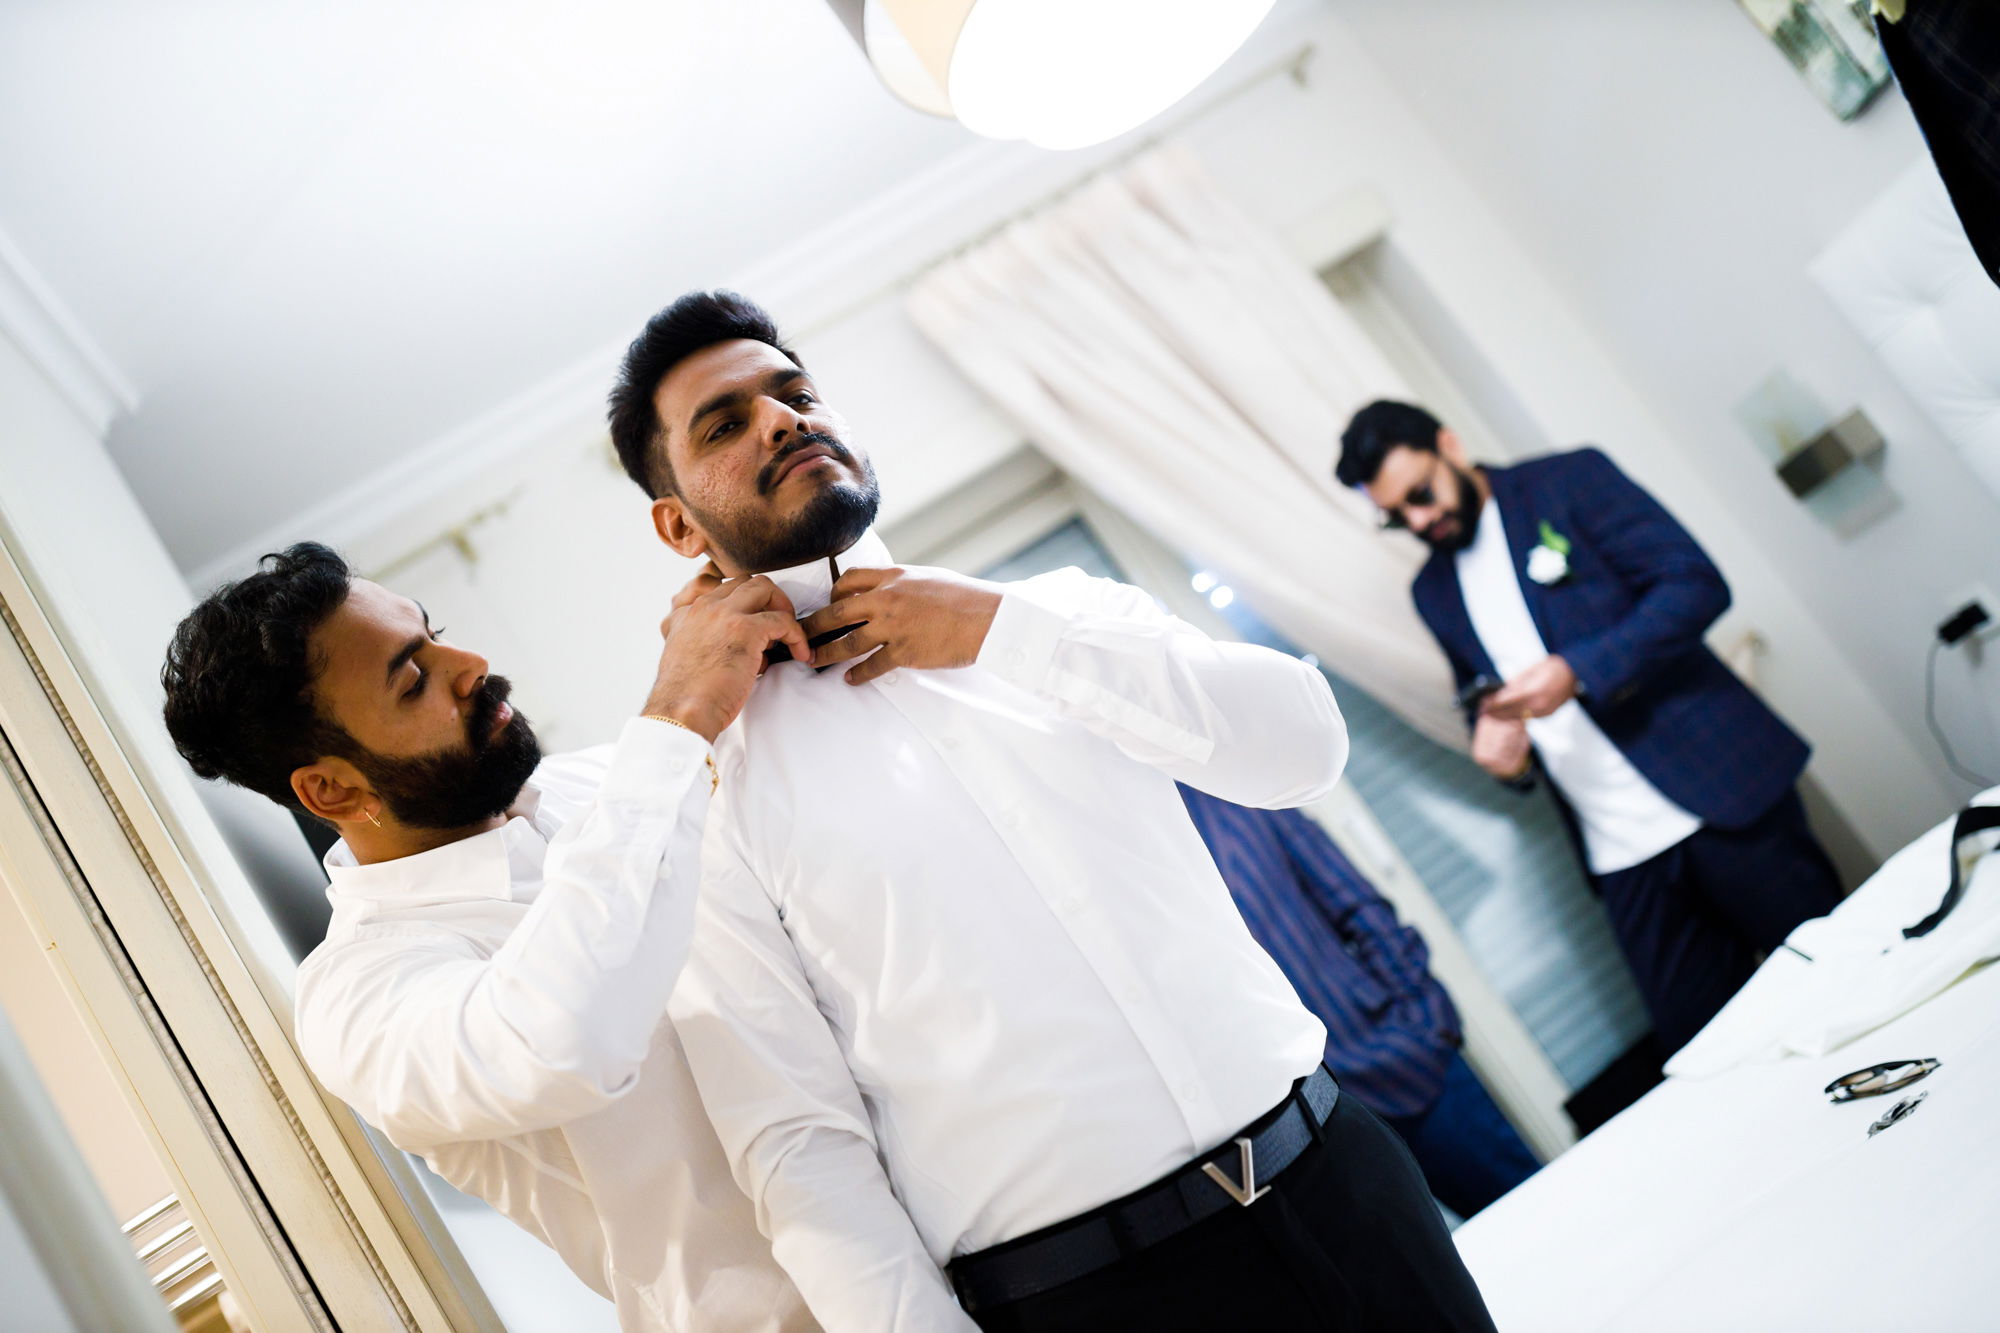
(792, 1122)
(1238, 721)
(432, 1043)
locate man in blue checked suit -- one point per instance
(1392, 1034)
(1572, 607)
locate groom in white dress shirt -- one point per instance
(971, 1009)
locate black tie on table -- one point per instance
(1972, 820)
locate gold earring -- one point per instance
(371, 818)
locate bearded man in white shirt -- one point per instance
(492, 990)
(967, 992)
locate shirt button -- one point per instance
(1012, 819)
(1190, 1092)
(1131, 993)
(1016, 658)
(1069, 904)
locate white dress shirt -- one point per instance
(1625, 819)
(498, 1006)
(958, 925)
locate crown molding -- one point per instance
(35, 317)
(855, 260)
(814, 282)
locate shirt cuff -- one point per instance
(1021, 642)
(655, 759)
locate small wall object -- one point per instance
(1816, 460)
(1832, 44)
(1820, 459)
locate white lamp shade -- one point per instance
(1058, 73)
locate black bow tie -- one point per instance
(779, 652)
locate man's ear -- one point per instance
(676, 529)
(1452, 448)
(335, 791)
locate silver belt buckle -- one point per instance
(1247, 1193)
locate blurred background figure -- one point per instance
(1572, 607)
(1392, 1035)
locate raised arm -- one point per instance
(792, 1122)
(1238, 721)
(431, 1042)
(1679, 590)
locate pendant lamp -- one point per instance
(1058, 73)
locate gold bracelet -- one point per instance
(714, 774)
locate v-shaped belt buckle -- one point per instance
(1247, 1193)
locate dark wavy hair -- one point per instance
(1375, 430)
(695, 321)
(239, 674)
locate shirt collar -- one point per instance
(810, 586)
(485, 865)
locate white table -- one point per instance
(1746, 1201)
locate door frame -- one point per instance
(314, 1221)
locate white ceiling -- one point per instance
(312, 238)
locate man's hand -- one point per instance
(923, 618)
(1500, 746)
(1536, 692)
(716, 637)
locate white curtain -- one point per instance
(1167, 352)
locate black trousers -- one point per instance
(1695, 920)
(1348, 1239)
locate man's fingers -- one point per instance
(881, 664)
(779, 627)
(860, 581)
(837, 615)
(696, 588)
(759, 594)
(847, 646)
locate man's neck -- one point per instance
(372, 844)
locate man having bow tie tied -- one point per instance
(977, 1024)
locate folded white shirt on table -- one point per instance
(1850, 972)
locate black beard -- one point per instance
(456, 788)
(1470, 504)
(832, 520)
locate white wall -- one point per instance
(1673, 177)
(569, 581)
(106, 581)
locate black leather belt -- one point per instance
(1237, 1174)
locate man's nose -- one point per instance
(782, 424)
(469, 673)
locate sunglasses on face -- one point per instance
(1421, 496)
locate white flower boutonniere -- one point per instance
(1548, 563)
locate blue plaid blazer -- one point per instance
(1629, 618)
(1391, 1030)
